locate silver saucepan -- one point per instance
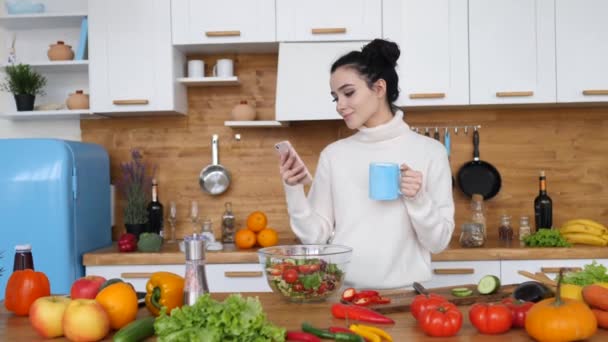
(214, 179)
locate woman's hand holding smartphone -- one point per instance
(292, 168)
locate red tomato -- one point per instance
(290, 276)
(314, 267)
(442, 321)
(424, 302)
(304, 269)
(298, 287)
(519, 310)
(490, 318)
(322, 288)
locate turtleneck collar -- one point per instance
(392, 129)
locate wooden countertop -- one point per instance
(493, 250)
(291, 316)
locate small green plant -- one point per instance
(21, 79)
(135, 185)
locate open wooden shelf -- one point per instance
(256, 123)
(41, 20)
(57, 66)
(209, 81)
(49, 114)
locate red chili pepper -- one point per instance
(300, 336)
(367, 294)
(349, 294)
(359, 313)
(339, 329)
(380, 300)
(127, 243)
(363, 301)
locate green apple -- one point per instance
(85, 320)
(46, 315)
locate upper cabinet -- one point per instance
(226, 21)
(321, 20)
(133, 66)
(512, 51)
(432, 35)
(582, 50)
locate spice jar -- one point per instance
(472, 235)
(505, 231)
(524, 227)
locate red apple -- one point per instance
(46, 315)
(86, 287)
(85, 320)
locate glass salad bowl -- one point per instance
(305, 273)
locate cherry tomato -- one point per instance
(290, 276)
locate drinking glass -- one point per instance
(172, 220)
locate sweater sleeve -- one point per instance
(312, 217)
(432, 209)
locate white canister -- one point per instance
(224, 68)
(196, 68)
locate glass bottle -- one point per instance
(207, 231)
(228, 225)
(155, 211)
(23, 258)
(477, 213)
(524, 227)
(543, 206)
(195, 280)
(471, 235)
(505, 231)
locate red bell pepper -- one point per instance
(359, 313)
(127, 243)
(422, 303)
(490, 318)
(519, 310)
(445, 320)
(300, 336)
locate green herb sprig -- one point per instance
(546, 238)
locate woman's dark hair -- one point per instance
(376, 60)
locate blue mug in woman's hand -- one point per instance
(384, 181)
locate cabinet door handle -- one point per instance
(556, 269)
(415, 96)
(453, 271)
(595, 92)
(243, 274)
(135, 275)
(328, 30)
(514, 93)
(130, 102)
(234, 33)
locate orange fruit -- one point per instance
(268, 237)
(120, 302)
(244, 238)
(256, 221)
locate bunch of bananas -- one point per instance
(585, 231)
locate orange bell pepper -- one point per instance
(164, 289)
(23, 288)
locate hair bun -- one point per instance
(381, 51)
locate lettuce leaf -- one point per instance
(234, 319)
(592, 273)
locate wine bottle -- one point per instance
(155, 211)
(543, 206)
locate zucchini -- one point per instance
(136, 331)
(488, 284)
(462, 292)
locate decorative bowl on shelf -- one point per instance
(23, 7)
(78, 100)
(243, 112)
(305, 273)
(60, 52)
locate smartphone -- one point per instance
(285, 148)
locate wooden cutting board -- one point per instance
(401, 300)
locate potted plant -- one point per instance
(135, 185)
(25, 83)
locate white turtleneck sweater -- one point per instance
(391, 240)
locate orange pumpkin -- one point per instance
(23, 288)
(560, 319)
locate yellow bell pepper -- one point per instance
(383, 334)
(164, 289)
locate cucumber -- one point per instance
(136, 331)
(463, 293)
(488, 284)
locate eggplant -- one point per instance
(532, 291)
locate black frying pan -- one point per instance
(478, 176)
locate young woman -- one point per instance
(391, 240)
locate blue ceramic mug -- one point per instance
(384, 179)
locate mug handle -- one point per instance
(399, 182)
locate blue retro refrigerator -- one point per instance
(55, 196)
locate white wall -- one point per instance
(68, 129)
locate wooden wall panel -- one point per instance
(570, 143)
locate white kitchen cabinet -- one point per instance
(433, 67)
(582, 50)
(303, 91)
(335, 20)
(509, 268)
(220, 277)
(226, 21)
(452, 273)
(133, 66)
(512, 51)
